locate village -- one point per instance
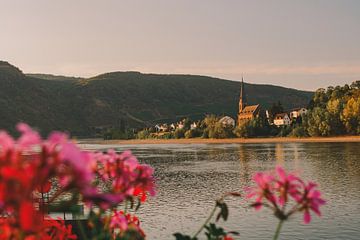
(276, 118)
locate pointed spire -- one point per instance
(242, 93)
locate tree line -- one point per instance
(331, 112)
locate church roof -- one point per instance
(250, 109)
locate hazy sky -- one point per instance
(301, 44)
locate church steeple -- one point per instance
(242, 101)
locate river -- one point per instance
(191, 176)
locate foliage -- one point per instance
(143, 134)
(193, 133)
(298, 131)
(214, 129)
(253, 128)
(350, 116)
(115, 133)
(213, 232)
(334, 111)
(179, 133)
(275, 109)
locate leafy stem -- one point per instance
(206, 222)
(277, 233)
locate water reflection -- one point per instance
(190, 177)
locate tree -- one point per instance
(351, 116)
(275, 109)
(179, 133)
(143, 134)
(317, 122)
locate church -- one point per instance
(246, 112)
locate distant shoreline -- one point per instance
(222, 141)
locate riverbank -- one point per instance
(222, 141)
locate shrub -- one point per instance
(179, 133)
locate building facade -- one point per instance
(246, 113)
(282, 119)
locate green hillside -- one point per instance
(81, 105)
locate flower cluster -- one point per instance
(122, 224)
(129, 178)
(275, 191)
(29, 164)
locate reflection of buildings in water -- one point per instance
(215, 152)
(279, 154)
(244, 160)
(294, 146)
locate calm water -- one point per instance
(190, 177)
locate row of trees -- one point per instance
(334, 111)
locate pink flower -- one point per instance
(264, 189)
(28, 137)
(120, 223)
(118, 220)
(6, 142)
(129, 177)
(311, 201)
(275, 192)
(287, 184)
(80, 164)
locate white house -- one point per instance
(193, 126)
(161, 127)
(227, 121)
(282, 119)
(172, 127)
(157, 127)
(295, 113)
(180, 125)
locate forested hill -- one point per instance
(80, 105)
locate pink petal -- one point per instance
(6, 141)
(307, 217)
(28, 136)
(281, 172)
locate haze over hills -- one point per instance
(79, 105)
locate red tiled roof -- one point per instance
(250, 109)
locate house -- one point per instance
(157, 128)
(193, 126)
(161, 127)
(246, 113)
(172, 127)
(227, 121)
(297, 112)
(282, 119)
(180, 125)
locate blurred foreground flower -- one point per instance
(29, 164)
(277, 191)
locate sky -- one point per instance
(304, 44)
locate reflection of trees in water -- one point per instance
(279, 154)
(296, 156)
(215, 152)
(335, 166)
(352, 161)
(245, 168)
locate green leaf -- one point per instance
(179, 236)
